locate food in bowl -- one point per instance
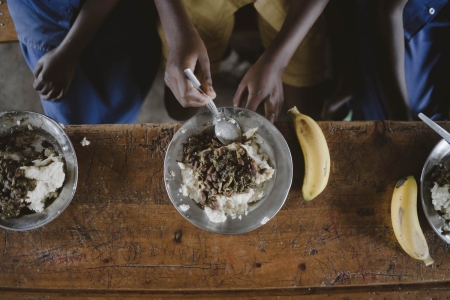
(30, 175)
(440, 192)
(224, 179)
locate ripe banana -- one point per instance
(315, 152)
(406, 222)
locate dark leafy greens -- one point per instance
(14, 186)
(223, 171)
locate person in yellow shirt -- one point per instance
(195, 35)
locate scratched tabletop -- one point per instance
(121, 236)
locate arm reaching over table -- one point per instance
(186, 50)
(262, 83)
(390, 56)
(55, 70)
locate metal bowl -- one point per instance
(440, 153)
(276, 189)
(44, 128)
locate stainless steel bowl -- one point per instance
(276, 189)
(50, 130)
(440, 153)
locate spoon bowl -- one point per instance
(226, 129)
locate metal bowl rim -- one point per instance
(422, 196)
(72, 150)
(285, 193)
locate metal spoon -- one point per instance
(227, 129)
(441, 131)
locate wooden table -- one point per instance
(121, 235)
(7, 30)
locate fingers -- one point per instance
(52, 77)
(44, 88)
(194, 98)
(189, 95)
(48, 90)
(273, 101)
(52, 94)
(256, 94)
(38, 83)
(254, 99)
(279, 100)
(274, 104)
(61, 94)
(37, 69)
(183, 90)
(270, 111)
(240, 95)
(49, 95)
(204, 76)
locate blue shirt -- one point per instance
(418, 13)
(114, 72)
(427, 57)
(426, 26)
(43, 24)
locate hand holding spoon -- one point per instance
(227, 130)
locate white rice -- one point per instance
(441, 199)
(237, 204)
(184, 207)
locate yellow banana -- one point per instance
(406, 222)
(315, 152)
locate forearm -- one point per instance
(300, 17)
(175, 21)
(89, 20)
(390, 56)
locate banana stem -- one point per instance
(428, 261)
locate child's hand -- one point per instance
(53, 74)
(190, 53)
(262, 82)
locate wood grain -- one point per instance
(121, 234)
(7, 30)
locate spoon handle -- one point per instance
(213, 109)
(441, 131)
(211, 106)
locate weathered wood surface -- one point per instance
(7, 30)
(122, 234)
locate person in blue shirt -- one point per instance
(427, 57)
(402, 57)
(405, 62)
(93, 60)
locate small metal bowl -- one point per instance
(44, 128)
(276, 189)
(440, 153)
